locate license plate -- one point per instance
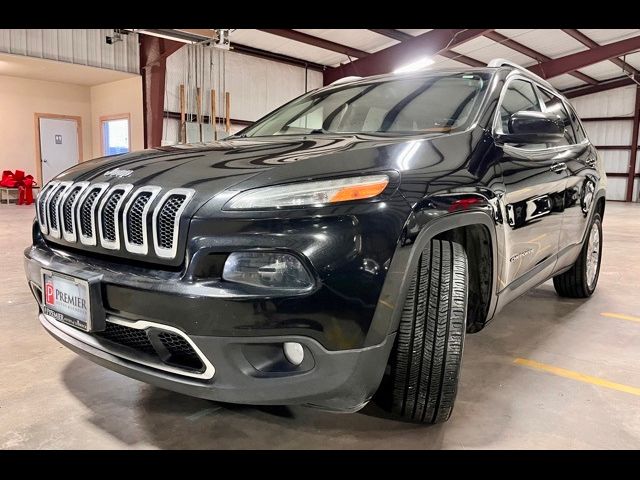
(66, 299)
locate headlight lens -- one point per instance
(310, 193)
(280, 271)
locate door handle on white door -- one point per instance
(558, 167)
(44, 160)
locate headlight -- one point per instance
(310, 193)
(279, 271)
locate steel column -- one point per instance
(153, 66)
(634, 147)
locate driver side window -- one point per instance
(520, 96)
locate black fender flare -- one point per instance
(394, 291)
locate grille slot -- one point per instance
(108, 217)
(67, 211)
(86, 212)
(167, 347)
(53, 208)
(42, 200)
(167, 219)
(135, 219)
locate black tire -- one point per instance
(425, 362)
(574, 283)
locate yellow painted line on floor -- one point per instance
(580, 377)
(621, 316)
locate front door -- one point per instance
(533, 200)
(583, 181)
(58, 146)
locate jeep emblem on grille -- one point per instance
(117, 172)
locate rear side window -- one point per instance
(520, 96)
(577, 125)
(554, 104)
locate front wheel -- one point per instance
(581, 279)
(425, 363)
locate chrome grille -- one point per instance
(100, 214)
(135, 224)
(108, 218)
(67, 210)
(53, 208)
(86, 217)
(166, 220)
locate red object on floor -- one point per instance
(24, 184)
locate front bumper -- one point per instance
(238, 369)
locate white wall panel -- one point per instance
(616, 188)
(80, 46)
(19, 41)
(256, 86)
(49, 44)
(65, 45)
(612, 103)
(34, 42)
(615, 161)
(616, 132)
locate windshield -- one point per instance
(435, 103)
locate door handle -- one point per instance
(44, 160)
(558, 167)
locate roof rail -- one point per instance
(501, 62)
(345, 80)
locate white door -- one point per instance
(58, 146)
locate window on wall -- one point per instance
(115, 135)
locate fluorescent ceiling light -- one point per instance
(163, 35)
(417, 65)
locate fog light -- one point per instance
(267, 269)
(294, 352)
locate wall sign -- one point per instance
(59, 139)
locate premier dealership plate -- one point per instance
(66, 299)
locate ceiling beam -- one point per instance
(569, 63)
(316, 41)
(429, 44)
(201, 34)
(392, 33)
(600, 87)
(586, 41)
(472, 62)
(530, 52)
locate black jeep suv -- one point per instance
(345, 241)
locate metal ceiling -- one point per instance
(548, 52)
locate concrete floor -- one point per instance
(51, 398)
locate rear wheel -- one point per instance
(425, 362)
(581, 279)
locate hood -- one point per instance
(210, 169)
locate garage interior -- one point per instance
(547, 372)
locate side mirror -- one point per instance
(533, 127)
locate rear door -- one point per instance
(534, 186)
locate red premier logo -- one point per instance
(50, 298)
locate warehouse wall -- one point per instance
(612, 103)
(115, 98)
(20, 98)
(80, 46)
(256, 85)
